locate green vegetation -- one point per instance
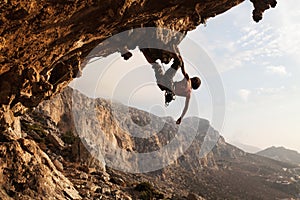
(68, 137)
(148, 192)
(36, 128)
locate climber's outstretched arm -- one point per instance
(186, 106)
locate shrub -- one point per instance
(147, 191)
(68, 137)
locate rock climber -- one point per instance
(165, 82)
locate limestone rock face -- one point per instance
(225, 172)
(28, 173)
(43, 43)
(50, 161)
(108, 126)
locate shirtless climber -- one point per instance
(165, 80)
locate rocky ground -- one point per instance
(51, 162)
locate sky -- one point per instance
(258, 64)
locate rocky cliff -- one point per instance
(55, 158)
(43, 43)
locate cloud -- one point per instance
(250, 47)
(249, 34)
(242, 42)
(288, 19)
(244, 94)
(279, 70)
(270, 91)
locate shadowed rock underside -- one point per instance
(43, 43)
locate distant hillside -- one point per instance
(281, 154)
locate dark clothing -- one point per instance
(164, 80)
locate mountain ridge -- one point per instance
(86, 167)
(224, 172)
(281, 154)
